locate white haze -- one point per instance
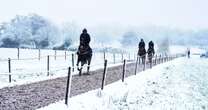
(175, 13)
(182, 21)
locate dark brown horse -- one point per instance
(84, 57)
(142, 54)
(150, 53)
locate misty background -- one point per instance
(113, 24)
(34, 31)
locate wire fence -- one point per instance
(52, 62)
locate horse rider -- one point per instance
(84, 51)
(150, 51)
(142, 50)
(84, 42)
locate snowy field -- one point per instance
(30, 69)
(180, 84)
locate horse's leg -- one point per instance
(80, 70)
(150, 61)
(139, 60)
(89, 62)
(78, 66)
(144, 62)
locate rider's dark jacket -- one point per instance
(84, 47)
(84, 39)
(142, 50)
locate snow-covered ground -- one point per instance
(30, 69)
(177, 85)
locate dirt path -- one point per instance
(36, 95)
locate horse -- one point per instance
(142, 54)
(150, 55)
(84, 57)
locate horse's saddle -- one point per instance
(84, 50)
(142, 51)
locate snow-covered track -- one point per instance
(36, 95)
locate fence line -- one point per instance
(55, 56)
(114, 61)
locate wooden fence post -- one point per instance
(129, 56)
(65, 54)
(68, 86)
(136, 64)
(155, 59)
(39, 54)
(104, 75)
(144, 65)
(55, 55)
(9, 64)
(18, 53)
(72, 62)
(164, 59)
(124, 70)
(48, 59)
(104, 55)
(160, 59)
(114, 58)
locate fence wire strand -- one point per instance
(53, 69)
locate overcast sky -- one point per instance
(175, 13)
